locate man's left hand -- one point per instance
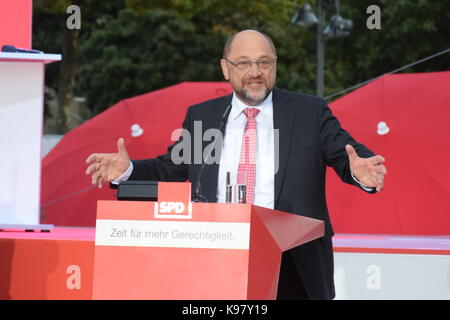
(369, 171)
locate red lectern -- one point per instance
(218, 251)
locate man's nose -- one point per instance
(254, 70)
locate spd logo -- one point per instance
(174, 200)
(171, 207)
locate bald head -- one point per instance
(247, 36)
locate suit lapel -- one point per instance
(283, 120)
(211, 172)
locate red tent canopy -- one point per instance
(406, 119)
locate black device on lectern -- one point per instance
(137, 190)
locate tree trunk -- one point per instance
(67, 71)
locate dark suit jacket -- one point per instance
(310, 138)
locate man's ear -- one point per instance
(225, 71)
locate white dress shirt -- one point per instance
(265, 151)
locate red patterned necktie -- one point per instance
(247, 162)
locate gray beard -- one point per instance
(245, 97)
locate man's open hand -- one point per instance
(105, 167)
(369, 171)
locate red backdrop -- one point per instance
(16, 23)
(416, 197)
(415, 107)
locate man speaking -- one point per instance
(309, 139)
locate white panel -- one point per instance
(173, 234)
(392, 276)
(21, 122)
(29, 57)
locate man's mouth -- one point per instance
(255, 84)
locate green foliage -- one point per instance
(410, 30)
(154, 44)
(138, 53)
(129, 47)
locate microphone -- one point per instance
(197, 197)
(9, 48)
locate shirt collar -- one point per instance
(238, 106)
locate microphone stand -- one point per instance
(197, 197)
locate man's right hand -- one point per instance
(106, 167)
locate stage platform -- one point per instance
(391, 267)
(59, 265)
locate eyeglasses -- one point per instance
(246, 64)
